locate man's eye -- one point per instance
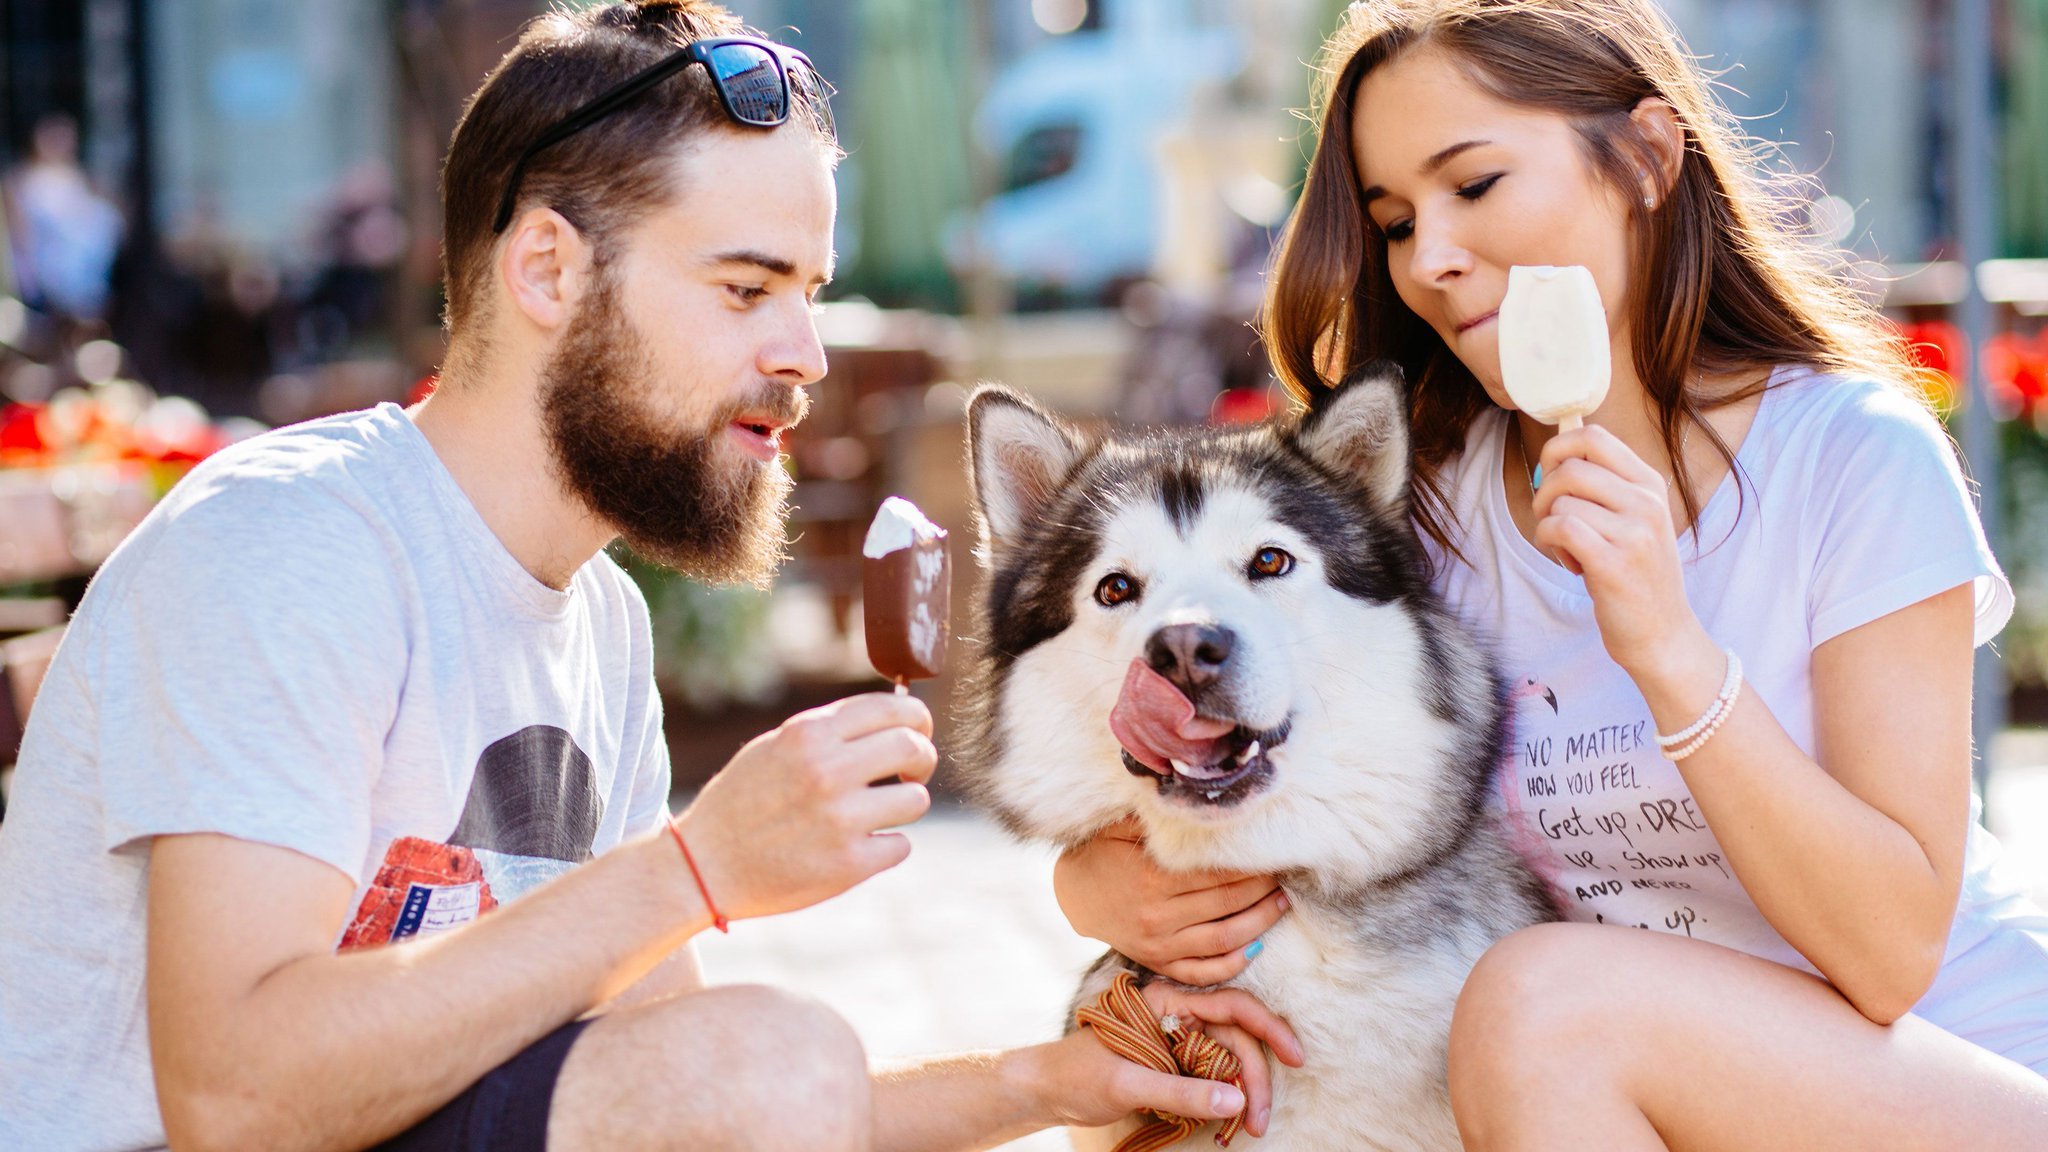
(747, 293)
(1115, 589)
(1271, 562)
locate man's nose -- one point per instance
(795, 352)
(1193, 656)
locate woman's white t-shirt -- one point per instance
(1850, 506)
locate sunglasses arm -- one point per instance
(611, 101)
(604, 105)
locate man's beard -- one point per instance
(666, 490)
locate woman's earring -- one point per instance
(1649, 201)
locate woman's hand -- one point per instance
(1087, 1086)
(1192, 927)
(1607, 515)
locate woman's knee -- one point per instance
(1527, 1007)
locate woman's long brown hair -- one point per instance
(1725, 279)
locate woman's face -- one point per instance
(1464, 186)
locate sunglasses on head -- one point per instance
(752, 78)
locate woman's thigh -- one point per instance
(1574, 1036)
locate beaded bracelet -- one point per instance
(1677, 754)
(718, 920)
(1679, 745)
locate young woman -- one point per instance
(1737, 609)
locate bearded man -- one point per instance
(343, 818)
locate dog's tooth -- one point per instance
(1206, 771)
(1251, 751)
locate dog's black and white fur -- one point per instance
(1368, 722)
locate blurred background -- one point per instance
(222, 215)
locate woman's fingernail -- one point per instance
(1260, 1121)
(1285, 903)
(1252, 950)
(1227, 1099)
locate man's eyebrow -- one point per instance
(762, 260)
(1431, 165)
(775, 265)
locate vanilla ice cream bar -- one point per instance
(907, 592)
(1555, 360)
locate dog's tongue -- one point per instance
(1155, 723)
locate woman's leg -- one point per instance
(1572, 1036)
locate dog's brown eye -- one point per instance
(1115, 589)
(1271, 562)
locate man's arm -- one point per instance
(262, 1037)
(680, 973)
(983, 1099)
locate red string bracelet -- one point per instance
(718, 921)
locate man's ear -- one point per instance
(544, 266)
(1664, 136)
(1359, 430)
(1018, 454)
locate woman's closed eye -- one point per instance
(1401, 230)
(1479, 187)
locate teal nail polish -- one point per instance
(1536, 478)
(1252, 950)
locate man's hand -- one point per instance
(1191, 927)
(1087, 1086)
(792, 819)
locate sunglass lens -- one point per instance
(752, 83)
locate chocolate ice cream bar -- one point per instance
(908, 590)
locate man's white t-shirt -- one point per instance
(1850, 506)
(314, 642)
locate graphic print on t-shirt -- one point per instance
(1519, 827)
(531, 815)
(1604, 818)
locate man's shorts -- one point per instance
(506, 1111)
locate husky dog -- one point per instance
(1231, 635)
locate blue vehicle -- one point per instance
(1074, 124)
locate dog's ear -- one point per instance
(1018, 455)
(1359, 429)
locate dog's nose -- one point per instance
(1190, 655)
